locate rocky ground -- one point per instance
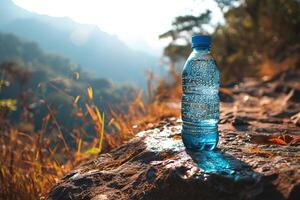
(258, 156)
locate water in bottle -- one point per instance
(200, 98)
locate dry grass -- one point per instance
(163, 101)
(30, 163)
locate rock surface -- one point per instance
(258, 156)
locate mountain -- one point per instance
(99, 53)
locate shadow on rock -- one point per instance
(233, 176)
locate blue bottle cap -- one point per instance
(201, 41)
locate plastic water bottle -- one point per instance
(200, 98)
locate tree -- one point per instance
(255, 32)
(183, 28)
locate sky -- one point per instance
(137, 22)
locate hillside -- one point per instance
(96, 51)
(36, 76)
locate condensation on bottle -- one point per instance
(200, 98)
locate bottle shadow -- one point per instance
(217, 162)
(231, 174)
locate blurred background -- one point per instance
(78, 78)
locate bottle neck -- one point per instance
(201, 49)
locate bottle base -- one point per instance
(200, 142)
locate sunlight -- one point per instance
(138, 23)
(93, 105)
